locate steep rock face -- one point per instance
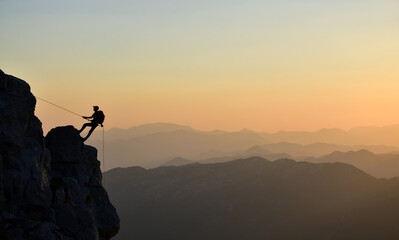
(48, 191)
(76, 187)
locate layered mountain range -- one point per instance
(368, 135)
(152, 145)
(385, 165)
(163, 144)
(254, 199)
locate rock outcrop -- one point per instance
(50, 188)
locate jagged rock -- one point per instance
(24, 181)
(49, 188)
(14, 234)
(80, 180)
(65, 145)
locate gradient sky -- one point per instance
(220, 64)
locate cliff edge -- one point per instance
(50, 187)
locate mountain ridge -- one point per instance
(251, 198)
(378, 165)
(355, 136)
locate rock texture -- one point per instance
(50, 188)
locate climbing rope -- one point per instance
(103, 183)
(103, 149)
(58, 106)
(103, 160)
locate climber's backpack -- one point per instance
(100, 117)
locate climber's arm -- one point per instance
(92, 116)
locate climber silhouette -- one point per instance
(97, 118)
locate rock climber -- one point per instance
(96, 119)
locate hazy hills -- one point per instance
(378, 165)
(152, 145)
(139, 131)
(177, 162)
(356, 136)
(251, 152)
(319, 149)
(154, 149)
(254, 199)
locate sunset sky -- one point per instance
(211, 64)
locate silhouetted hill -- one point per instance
(253, 199)
(271, 157)
(378, 165)
(255, 151)
(320, 149)
(381, 165)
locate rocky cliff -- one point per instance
(50, 187)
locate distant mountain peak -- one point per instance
(246, 130)
(178, 161)
(361, 152)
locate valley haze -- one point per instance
(153, 145)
